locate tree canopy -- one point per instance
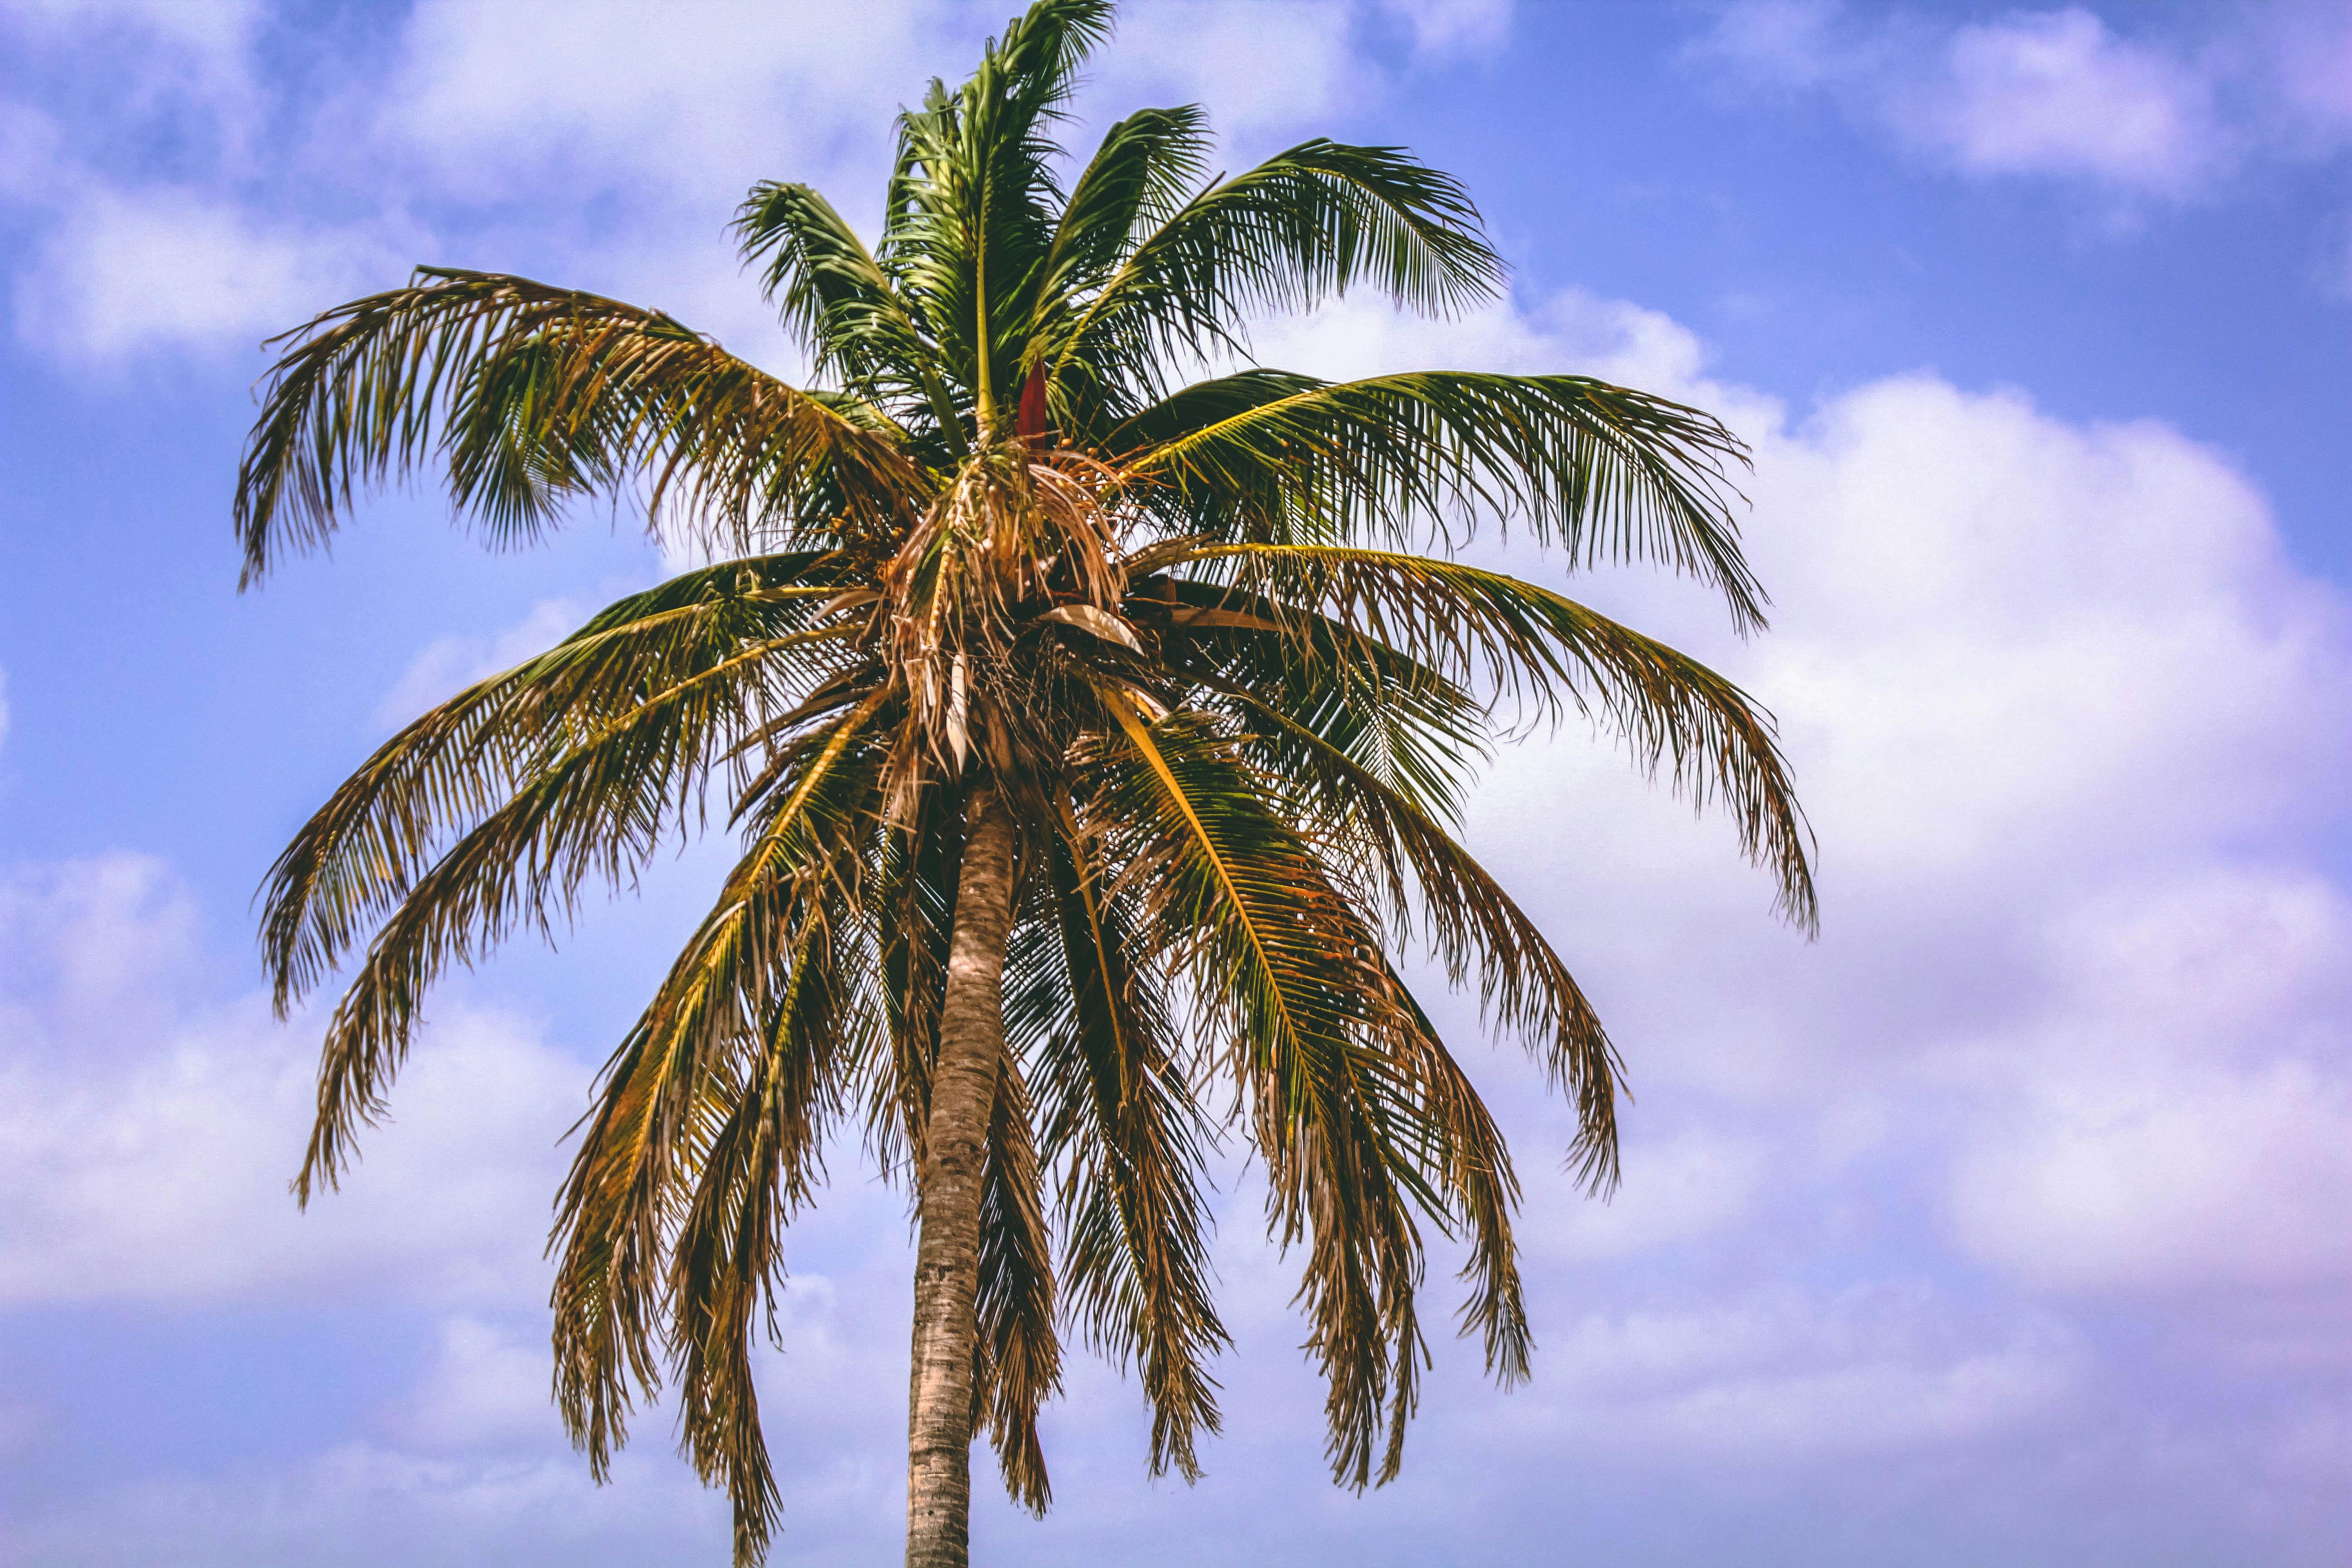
(1045, 566)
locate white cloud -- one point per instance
(2063, 93)
(1451, 26)
(2065, 719)
(149, 1138)
(122, 270)
(485, 1388)
(30, 150)
(2195, 1183)
(184, 64)
(448, 665)
(2191, 1133)
(2057, 93)
(1262, 70)
(1785, 1376)
(708, 95)
(2311, 46)
(1677, 1190)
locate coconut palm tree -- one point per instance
(1095, 741)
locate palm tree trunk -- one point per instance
(947, 1256)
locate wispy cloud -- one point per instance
(450, 663)
(2064, 94)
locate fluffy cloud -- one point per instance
(2060, 93)
(2057, 93)
(149, 1134)
(2191, 1133)
(122, 270)
(2071, 1045)
(626, 135)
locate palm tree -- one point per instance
(1093, 738)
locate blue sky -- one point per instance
(2005, 1223)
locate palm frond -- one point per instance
(533, 396)
(651, 1125)
(1018, 1354)
(1523, 982)
(1137, 177)
(1527, 641)
(757, 1169)
(659, 652)
(1306, 224)
(598, 809)
(1605, 473)
(1123, 1125)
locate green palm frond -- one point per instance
(649, 1128)
(532, 396)
(1607, 473)
(1306, 224)
(1529, 642)
(1407, 724)
(968, 229)
(1123, 1124)
(1140, 174)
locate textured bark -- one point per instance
(947, 1256)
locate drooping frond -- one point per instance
(1018, 1353)
(914, 911)
(1353, 1137)
(665, 649)
(1606, 473)
(532, 396)
(653, 1123)
(1123, 1124)
(1523, 984)
(573, 767)
(761, 1127)
(1467, 1161)
(1529, 642)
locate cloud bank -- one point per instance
(2003, 1224)
(2065, 1074)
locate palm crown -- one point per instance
(1093, 738)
